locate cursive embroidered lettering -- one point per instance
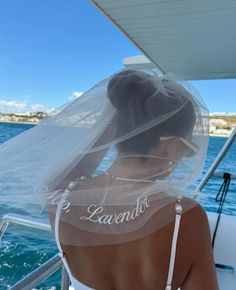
(58, 197)
(93, 210)
(96, 213)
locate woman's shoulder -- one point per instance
(193, 210)
(196, 241)
(194, 222)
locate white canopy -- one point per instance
(193, 39)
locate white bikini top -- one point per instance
(79, 286)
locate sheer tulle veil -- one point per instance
(113, 160)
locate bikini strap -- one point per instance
(178, 209)
(57, 228)
(57, 225)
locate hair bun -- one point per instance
(129, 86)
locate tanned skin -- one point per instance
(144, 263)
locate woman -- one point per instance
(124, 222)
(115, 168)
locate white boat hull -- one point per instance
(225, 249)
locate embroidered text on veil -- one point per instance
(96, 213)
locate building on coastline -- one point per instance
(220, 122)
(4, 118)
(222, 125)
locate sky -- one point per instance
(52, 51)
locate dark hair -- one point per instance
(138, 100)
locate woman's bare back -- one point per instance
(144, 263)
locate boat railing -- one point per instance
(211, 172)
(43, 271)
(38, 275)
(21, 220)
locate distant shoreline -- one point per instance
(16, 122)
(33, 123)
(216, 135)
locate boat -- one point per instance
(195, 40)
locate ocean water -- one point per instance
(23, 250)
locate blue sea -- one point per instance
(23, 250)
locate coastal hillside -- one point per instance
(222, 124)
(32, 117)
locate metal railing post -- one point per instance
(19, 220)
(38, 275)
(43, 271)
(3, 226)
(65, 280)
(218, 159)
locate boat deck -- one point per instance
(226, 279)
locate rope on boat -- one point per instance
(221, 195)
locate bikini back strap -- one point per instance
(178, 209)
